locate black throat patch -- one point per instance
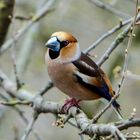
(53, 54)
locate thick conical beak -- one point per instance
(53, 44)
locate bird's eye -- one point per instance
(64, 43)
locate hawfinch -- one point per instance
(74, 73)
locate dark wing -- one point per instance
(88, 67)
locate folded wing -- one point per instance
(99, 82)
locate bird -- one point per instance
(75, 73)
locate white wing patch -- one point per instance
(84, 77)
(86, 65)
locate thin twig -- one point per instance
(19, 111)
(21, 114)
(77, 116)
(107, 34)
(18, 83)
(30, 125)
(125, 124)
(131, 31)
(81, 136)
(26, 49)
(28, 45)
(39, 15)
(109, 8)
(132, 137)
(133, 76)
(48, 86)
(119, 38)
(97, 116)
(115, 43)
(72, 124)
(82, 121)
(15, 102)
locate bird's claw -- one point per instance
(70, 103)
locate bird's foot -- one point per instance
(70, 103)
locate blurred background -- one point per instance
(87, 22)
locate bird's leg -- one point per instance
(70, 103)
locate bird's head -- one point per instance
(63, 46)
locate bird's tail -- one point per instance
(117, 110)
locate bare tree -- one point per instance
(13, 93)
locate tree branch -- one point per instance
(119, 39)
(84, 124)
(129, 123)
(30, 126)
(109, 8)
(39, 15)
(107, 34)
